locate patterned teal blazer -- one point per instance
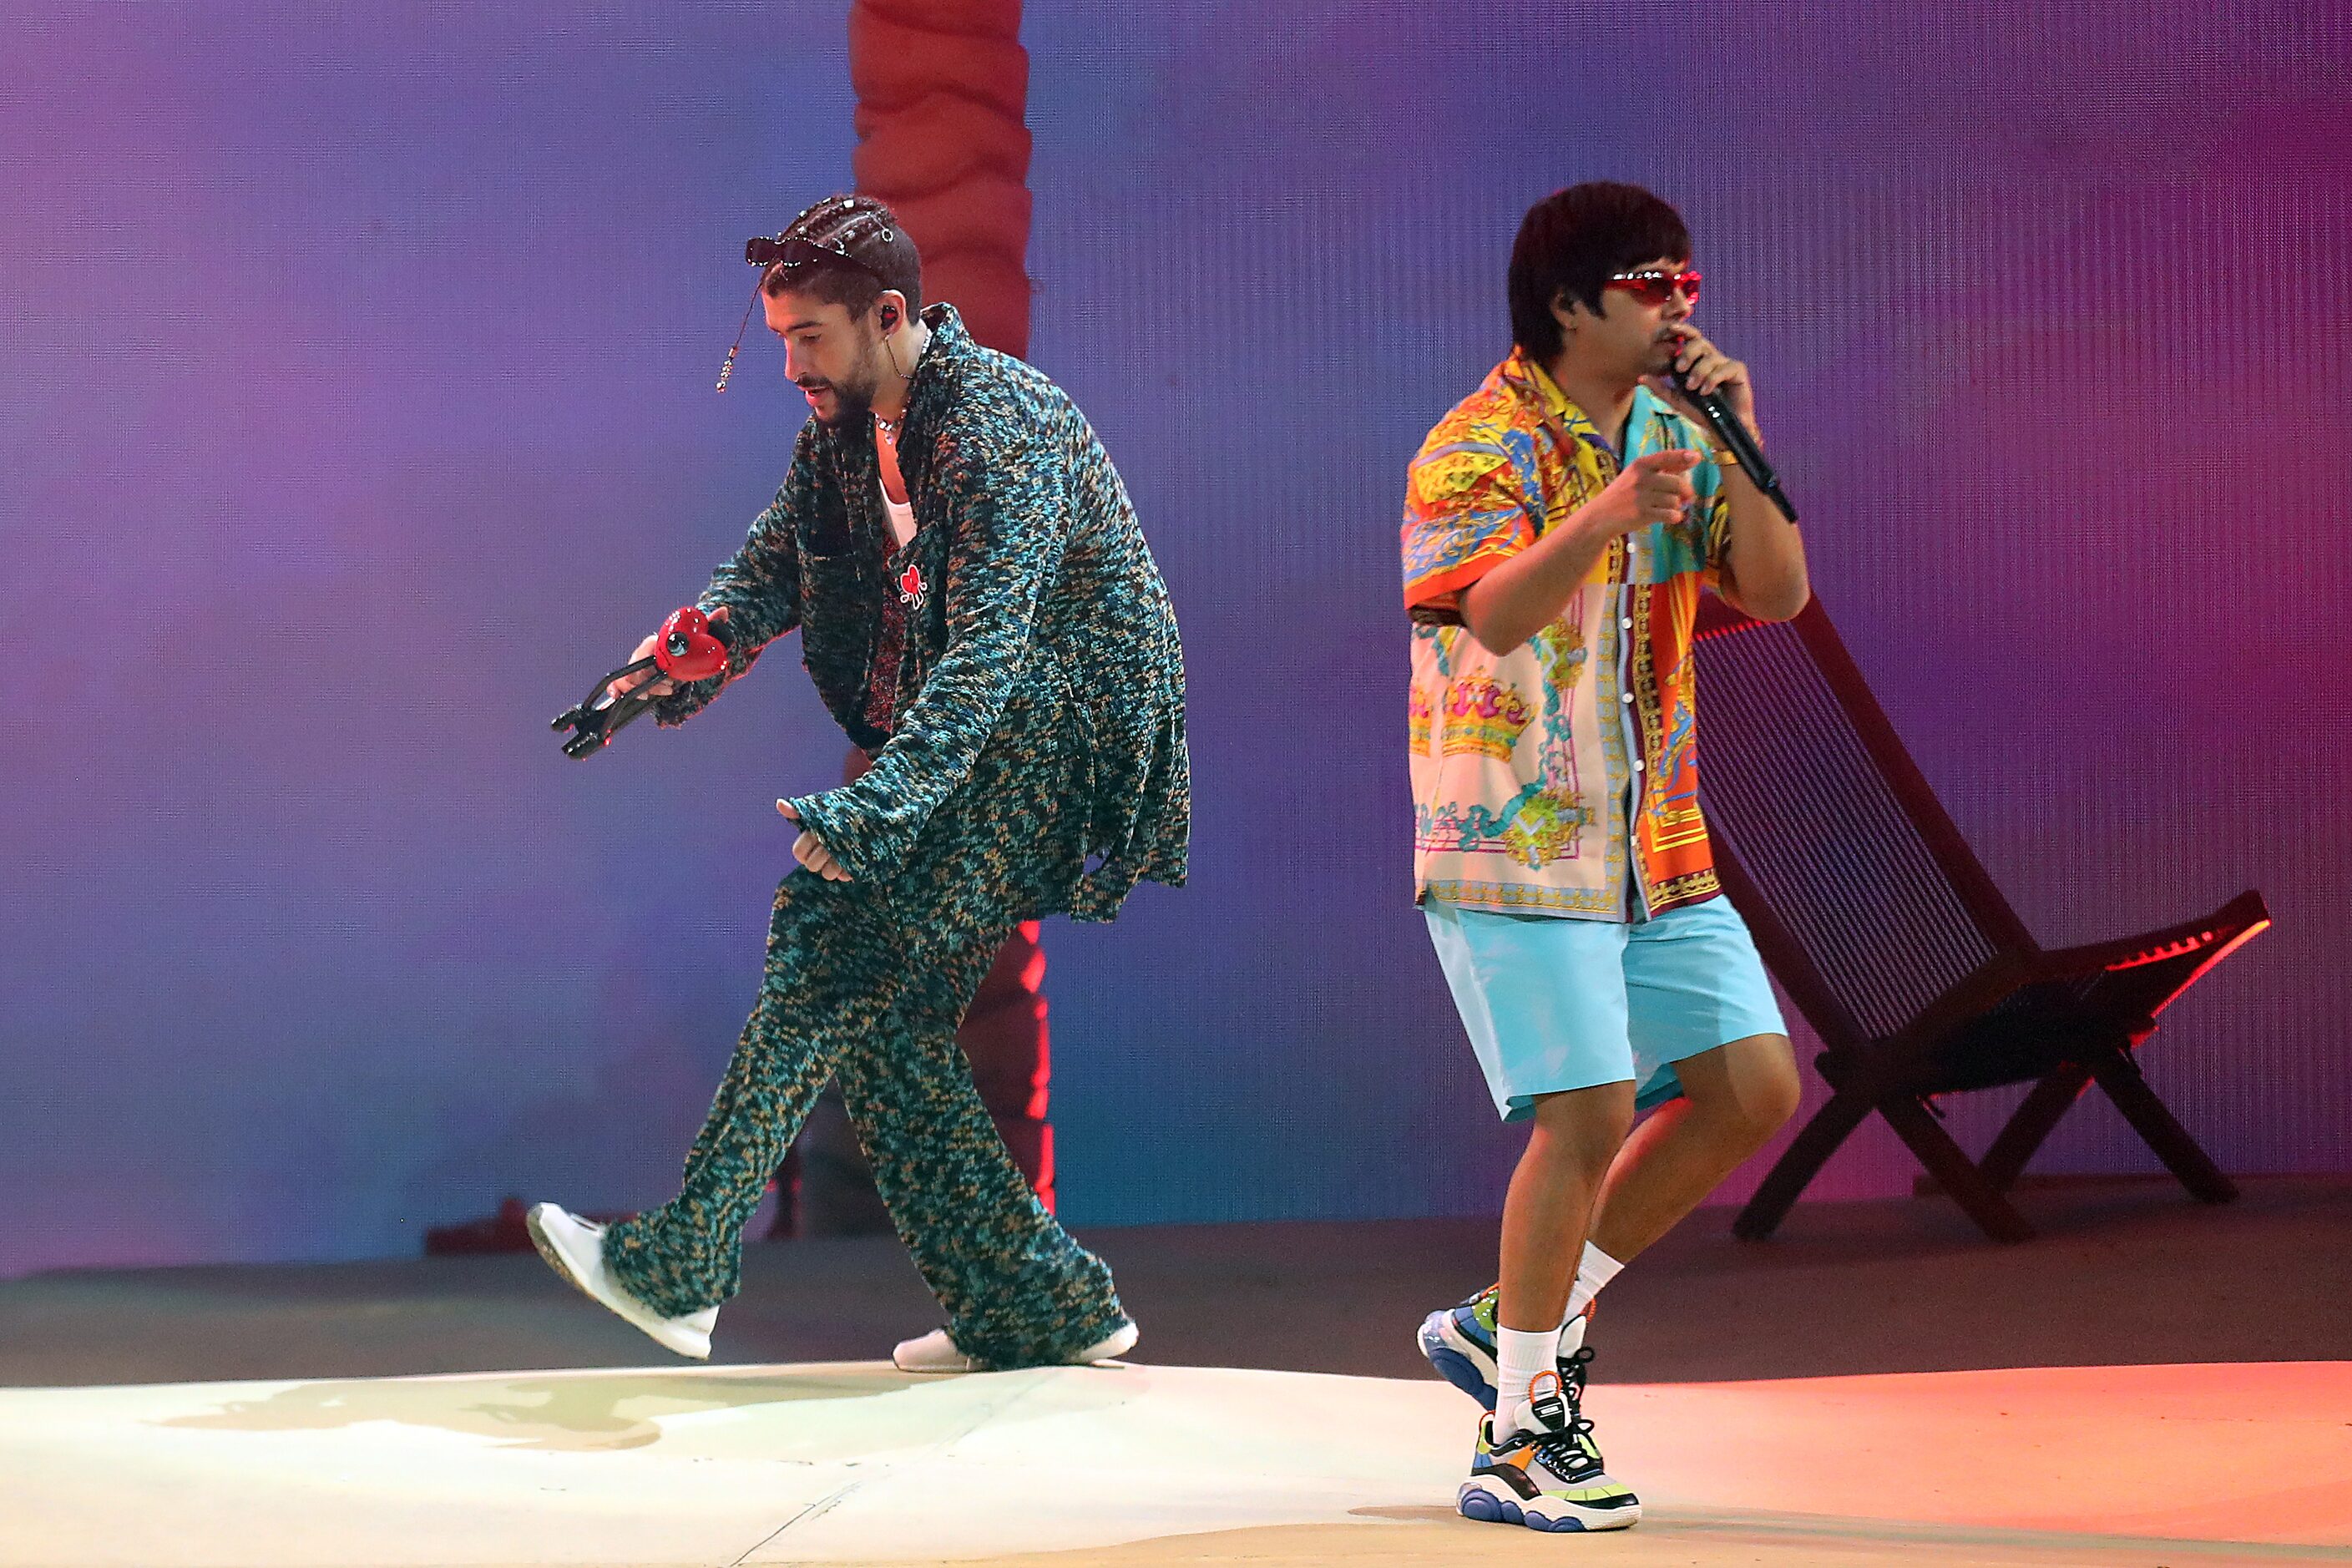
(1036, 569)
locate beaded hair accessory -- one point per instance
(827, 232)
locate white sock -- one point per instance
(1597, 1270)
(1520, 1356)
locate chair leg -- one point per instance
(2119, 1075)
(1798, 1164)
(1953, 1170)
(2033, 1122)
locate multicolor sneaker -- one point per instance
(1460, 1343)
(1547, 1474)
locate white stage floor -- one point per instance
(854, 1463)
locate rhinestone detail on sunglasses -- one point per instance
(1652, 286)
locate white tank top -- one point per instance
(901, 514)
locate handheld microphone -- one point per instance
(1732, 431)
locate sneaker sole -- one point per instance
(552, 1257)
(652, 1329)
(1457, 1359)
(1475, 1502)
(1102, 1352)
(1112, 1346)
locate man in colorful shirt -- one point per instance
(979, 609)
(1559, 524)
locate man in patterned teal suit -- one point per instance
(979, 609)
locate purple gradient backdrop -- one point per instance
(355, 411)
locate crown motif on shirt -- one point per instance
(1484, 717)
(1418, 714)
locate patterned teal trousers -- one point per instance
(866, 985)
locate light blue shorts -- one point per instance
(1554, 1003)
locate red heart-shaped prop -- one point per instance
(686, 651)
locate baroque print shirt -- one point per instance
(1560, 778)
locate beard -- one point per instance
(853, 394)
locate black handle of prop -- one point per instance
(596, 718)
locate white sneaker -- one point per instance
(575, 1248)
(938, 1352)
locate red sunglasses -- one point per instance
(1654, 288)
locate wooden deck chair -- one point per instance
(1877, 920)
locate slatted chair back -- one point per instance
(1865, 899)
